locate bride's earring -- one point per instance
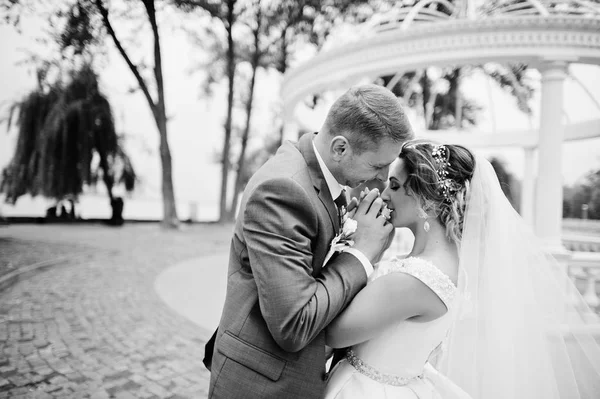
(423, 215)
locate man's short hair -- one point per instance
(367, 114)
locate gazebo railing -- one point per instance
(580, 243)
(583, 264)
(584, 270)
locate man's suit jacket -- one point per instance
(271, 342)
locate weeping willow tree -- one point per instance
(66, 140)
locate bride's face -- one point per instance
(404, 207)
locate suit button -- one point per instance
(324, 376)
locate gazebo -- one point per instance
(545, 34)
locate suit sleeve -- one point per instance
(280, 225)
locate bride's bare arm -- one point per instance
(382, 303)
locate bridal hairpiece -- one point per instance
(446, 185)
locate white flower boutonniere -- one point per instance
(343, 239)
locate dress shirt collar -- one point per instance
(335, 188)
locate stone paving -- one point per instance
(97, 328)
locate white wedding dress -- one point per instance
(395, 364)
(540, 341)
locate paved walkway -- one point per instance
(99, 328)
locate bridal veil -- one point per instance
(521, 329)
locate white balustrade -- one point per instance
(586, 266)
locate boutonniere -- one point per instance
(344, 238)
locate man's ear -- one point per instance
(339, 147)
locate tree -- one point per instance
(265, 51)
(585, 192)
(256, 26)
(274, 26)
(226, 14)
(61, 128)
(84, 25)
(441, 101)
(156, 103)
(309, 21)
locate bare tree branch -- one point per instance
(104, 13)
(212, 7)
(149, 4)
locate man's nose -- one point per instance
(383, 174)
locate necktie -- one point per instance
(341, 202)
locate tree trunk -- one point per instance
(283, 69)
(116, 204)
(240, 163)
(170, 218)
(106, 177)
(458, 103)
(431, 121)
(224, 215)
(426, 94)
(158, 109)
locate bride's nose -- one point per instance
(385, 195)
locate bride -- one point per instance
(476, 310)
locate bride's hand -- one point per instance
(354, 202)
(372, 231)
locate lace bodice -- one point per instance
(403, 349)
(423, 270)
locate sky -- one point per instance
(196, 121)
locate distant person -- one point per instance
(117, 204)
(63, 214)
(72, 215)
(51, 213)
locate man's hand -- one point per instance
(373, 231)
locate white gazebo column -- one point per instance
(528, 187)
(548, 193)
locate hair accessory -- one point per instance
(446, 185)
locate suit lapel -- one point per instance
(320, 184)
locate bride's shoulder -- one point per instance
(422, 269)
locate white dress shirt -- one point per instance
(335, 190)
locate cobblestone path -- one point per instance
(95, 328)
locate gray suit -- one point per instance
(270, 342)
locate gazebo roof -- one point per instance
(423, 33)
(408, 13)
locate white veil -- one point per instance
(521, 329)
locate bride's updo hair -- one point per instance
(439, 178)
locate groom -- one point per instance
(280, 297)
